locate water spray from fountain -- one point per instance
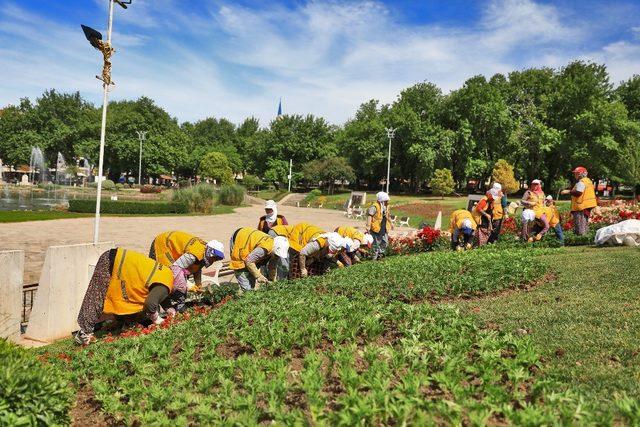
(36, 163)
(61, 168)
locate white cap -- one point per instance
(497, 186)
(549, 197)
(214, 249)
(348, 244)
(335, 241)
(528, 215)
(466, 223)
(281, 246)
(382, 197)
(270, 204)
(494, 193)
(368, 239)
(536, 181)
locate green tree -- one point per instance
(442, 182)
(629, 94)
(629, 161)
(503, 173)
(252, 182)
(328, 171)
(215, 165)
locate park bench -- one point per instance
(404, 221)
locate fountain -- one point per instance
(61, 169)
(36, 163)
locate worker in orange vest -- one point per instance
(583, 199)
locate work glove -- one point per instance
(538, 237)
(303, 272)
(273, 272)
(469, 246)
(156, 319)
(171, 312)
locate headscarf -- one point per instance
(270, 204)
(213, 250)
(528, 215)
(497, 186)
(495, 194)
(179, 278)
(466, 227)
(536, 186)
(281, 246)
(334, 240)
(382, 197)
(356, 245)
(349, 245)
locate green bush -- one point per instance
(128, 208)
(232, 195)
(31, 393)
(119, 187)
(313, 194)
(107, 184)
(200, 198)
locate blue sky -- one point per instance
(233, 59)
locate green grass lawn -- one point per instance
(275, 195)
(439, 341)
(24, 216)
(586, 323)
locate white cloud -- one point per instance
(322, 57)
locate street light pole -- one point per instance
(103, 131)
(290, 166)
(390, 134)
(141, 136)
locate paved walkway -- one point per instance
(137, 232)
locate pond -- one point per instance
(32, 200)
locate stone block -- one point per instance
(11, 276)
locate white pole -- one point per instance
(390, 134)
(141, 137)
(103, 131)
(290, 166)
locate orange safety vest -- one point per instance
(171, 245)
(376, 219)
(304, 233)
(133, 274)
(246, 240)
(553, 216)
(477, 216)
(262, 224)
(497, 210)
(587, 199)
(458, 217)
(350, 232)
(537, 202)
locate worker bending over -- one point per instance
(462, 226)
(125, 282)
(360, 241)
(254, 254)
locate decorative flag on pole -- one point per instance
(280, 108)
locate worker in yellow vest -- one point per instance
(483, 215)
(255, 254)
(358, 241)
(379, 224)
(125, 282)
(553, 218)
(461, 226)
(315, 248)
(498, 212)
(186, 251)
(533, 198)
(285, 231)
(271, 217)
(583, 199)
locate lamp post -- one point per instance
(95, 38)
(390, 134)
(142, 135)
(290, 166)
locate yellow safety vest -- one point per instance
(553, 216)
(350, 232)
(263, 222)
(133, 273)
(376, 219)
(477, 216)
(304, 233)
(458, 217)
(246, 240)
(171, 245)
(537, 203)
(283, 230)
(587, 199)
(497, 210)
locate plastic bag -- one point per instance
(623, 233)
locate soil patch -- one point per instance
(232, 349)
(88, 410)
(425, 210)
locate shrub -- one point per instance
(31, 393)
(442, 182)
(232, 195)
(128, 207)
(107, 184)
(252, 182)
(503, 173)
(150, 189)
(119, 187)
(313, 194)
(216, 165)
(200, 198)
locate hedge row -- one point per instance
(129, 207)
